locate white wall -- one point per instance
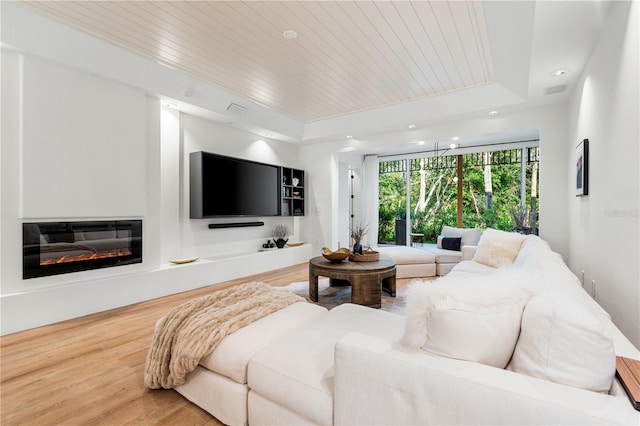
(604, 226)
(62, 125)
(82, 144)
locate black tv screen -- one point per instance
(223, 186)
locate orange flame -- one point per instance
(82, 257)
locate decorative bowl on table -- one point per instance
(335, 256)
(368, 255)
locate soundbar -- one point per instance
(234, 225)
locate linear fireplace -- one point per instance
(51, 248)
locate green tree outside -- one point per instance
(434, 193)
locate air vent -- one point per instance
(237, 109)
(556, 89)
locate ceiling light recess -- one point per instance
(290, 35)
(411, 126)
(560, 72)
(493, 113)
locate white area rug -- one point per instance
(330, 297)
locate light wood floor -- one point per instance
(89, 370)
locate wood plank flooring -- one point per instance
(89, 370)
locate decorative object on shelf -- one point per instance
(279, 234)
(181, 261)
(269, 244)
(295, 181)
(335, 256)
(357, 232)
(296, 244)
(368, 255)
(582, 168)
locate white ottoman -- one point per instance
(410, 262)
(219, 384)
(291, 379)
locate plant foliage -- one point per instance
(434, 192)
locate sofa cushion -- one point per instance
(231, 356)
(445, 256)
(533, 247)
(473, 320)
(563, 342)
(470, 236)
(469, 267)
(296, 370)
(407, 255)
(547, 272)
(498, 248)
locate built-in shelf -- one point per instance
(292, 200)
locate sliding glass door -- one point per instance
(392, 195)
(420, 195)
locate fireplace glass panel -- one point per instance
(51, 248)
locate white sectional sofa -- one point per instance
(432, 259)
(356, 365)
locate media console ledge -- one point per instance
(44, 306)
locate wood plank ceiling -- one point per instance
(349, 56)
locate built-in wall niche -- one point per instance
(52, 248)
(292, 192)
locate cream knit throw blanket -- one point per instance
(194, 329)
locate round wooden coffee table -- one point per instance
(367, 279)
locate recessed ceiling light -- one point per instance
(290, 35)
(421, 142)
(411, 126)
(493, 113)
(453, 146)
(349, 136)
(560, 72)
(455, 138)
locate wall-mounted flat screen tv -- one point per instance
(221, 186)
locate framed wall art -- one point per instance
(582, 168)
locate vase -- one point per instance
(357, 248)
(280, 242)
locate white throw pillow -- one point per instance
(565, 343)
(498, 248)
(474, 320)
(470, 236)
